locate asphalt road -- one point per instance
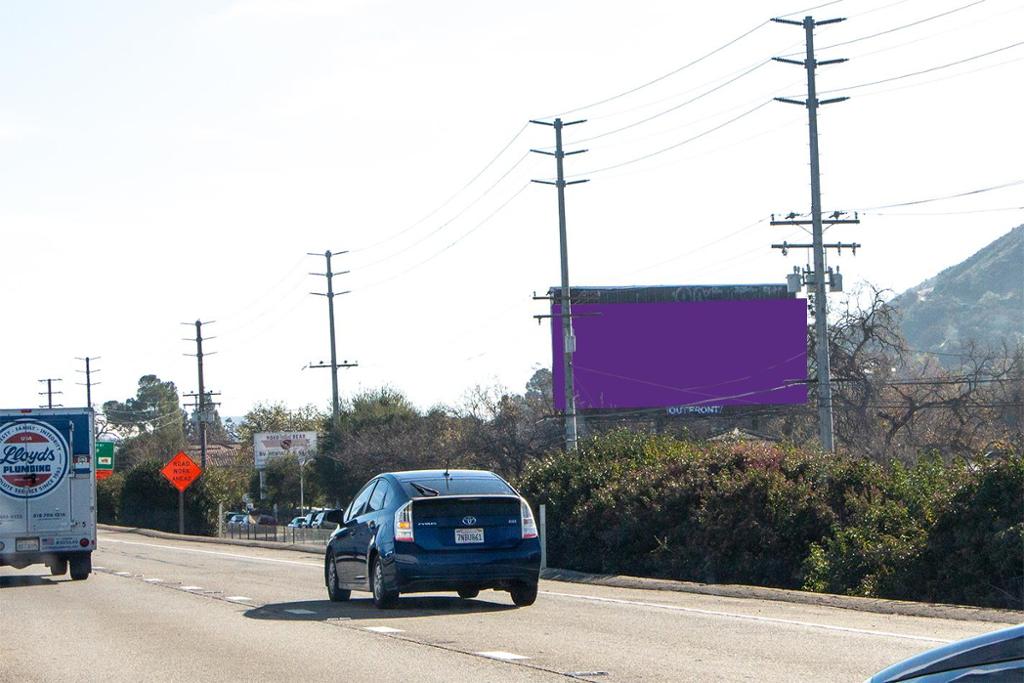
(159, 610)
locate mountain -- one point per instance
(980, 299)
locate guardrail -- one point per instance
(283, 534)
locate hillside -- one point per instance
(980, 299)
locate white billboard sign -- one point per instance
(269, 445)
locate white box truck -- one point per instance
(48, 489)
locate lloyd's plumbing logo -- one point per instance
(33, 458)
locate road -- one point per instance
(171, 610)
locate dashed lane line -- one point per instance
(300, 611)
(153, 580)
(749, 617)
(191, 588)
(503, 656)
(383, 629)
(247, 558)
(238, 598)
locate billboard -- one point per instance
(268, 445)
(679, 347)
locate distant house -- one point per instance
(217, 455)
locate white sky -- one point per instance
(164, 161)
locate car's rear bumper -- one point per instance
(413, 569)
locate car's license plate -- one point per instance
(469, 535)
(24, 545)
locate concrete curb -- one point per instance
(271, 545)
(877, 605)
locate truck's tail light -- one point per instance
(528, 526)
(84, 543)
(403, 523)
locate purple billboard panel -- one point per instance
(700, 353)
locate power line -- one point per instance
(919, 84)
(659, 114)
(651, 82)
(452, 197)
(925, 71)
(904, 26)
(446, 247)
(678, 144)
(946, 213)
(451, 220)
(915, 202)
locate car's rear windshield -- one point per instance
(455, 486)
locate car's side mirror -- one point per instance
(333, 516)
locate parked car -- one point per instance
(238, 518)
(990, 658)
(297, 523)
(434, 530)
(321, 520)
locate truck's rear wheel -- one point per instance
(59, 567)
(81, 566)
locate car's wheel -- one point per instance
(335, 592)
(524, 594)
(468, 593)
(383, 599)
(59, 567)
(81, 567)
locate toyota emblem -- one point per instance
(469, 520)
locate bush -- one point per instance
(148, 500)
(775, 515)
(108, 498)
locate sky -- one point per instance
(164, 162)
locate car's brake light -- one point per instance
(403, 523)
(528, 526)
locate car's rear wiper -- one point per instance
(424, 490)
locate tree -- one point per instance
(150, 425)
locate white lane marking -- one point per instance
(191, 588)
(383, 629)
(122, 573)
(153, 580)
(96, 566)
(300, 611)
(504, 656)
(751, 617)
(238, 598)
(214, 552)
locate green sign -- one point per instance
(105, 455)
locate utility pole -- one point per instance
(50, 392)
(565, 305)
(334, 365)
(88, 379)
(816, 277)
(201, 396)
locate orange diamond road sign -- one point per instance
(181, 471)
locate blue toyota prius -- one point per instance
(434, 530)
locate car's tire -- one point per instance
(335, 592)
(383, 599)
(468, 593)
(81, 567)
(59, 567)
(524, 595)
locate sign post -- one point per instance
(181, 471)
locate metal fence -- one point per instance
(282, 534)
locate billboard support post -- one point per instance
(565, 309)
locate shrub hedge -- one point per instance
(775, 515)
